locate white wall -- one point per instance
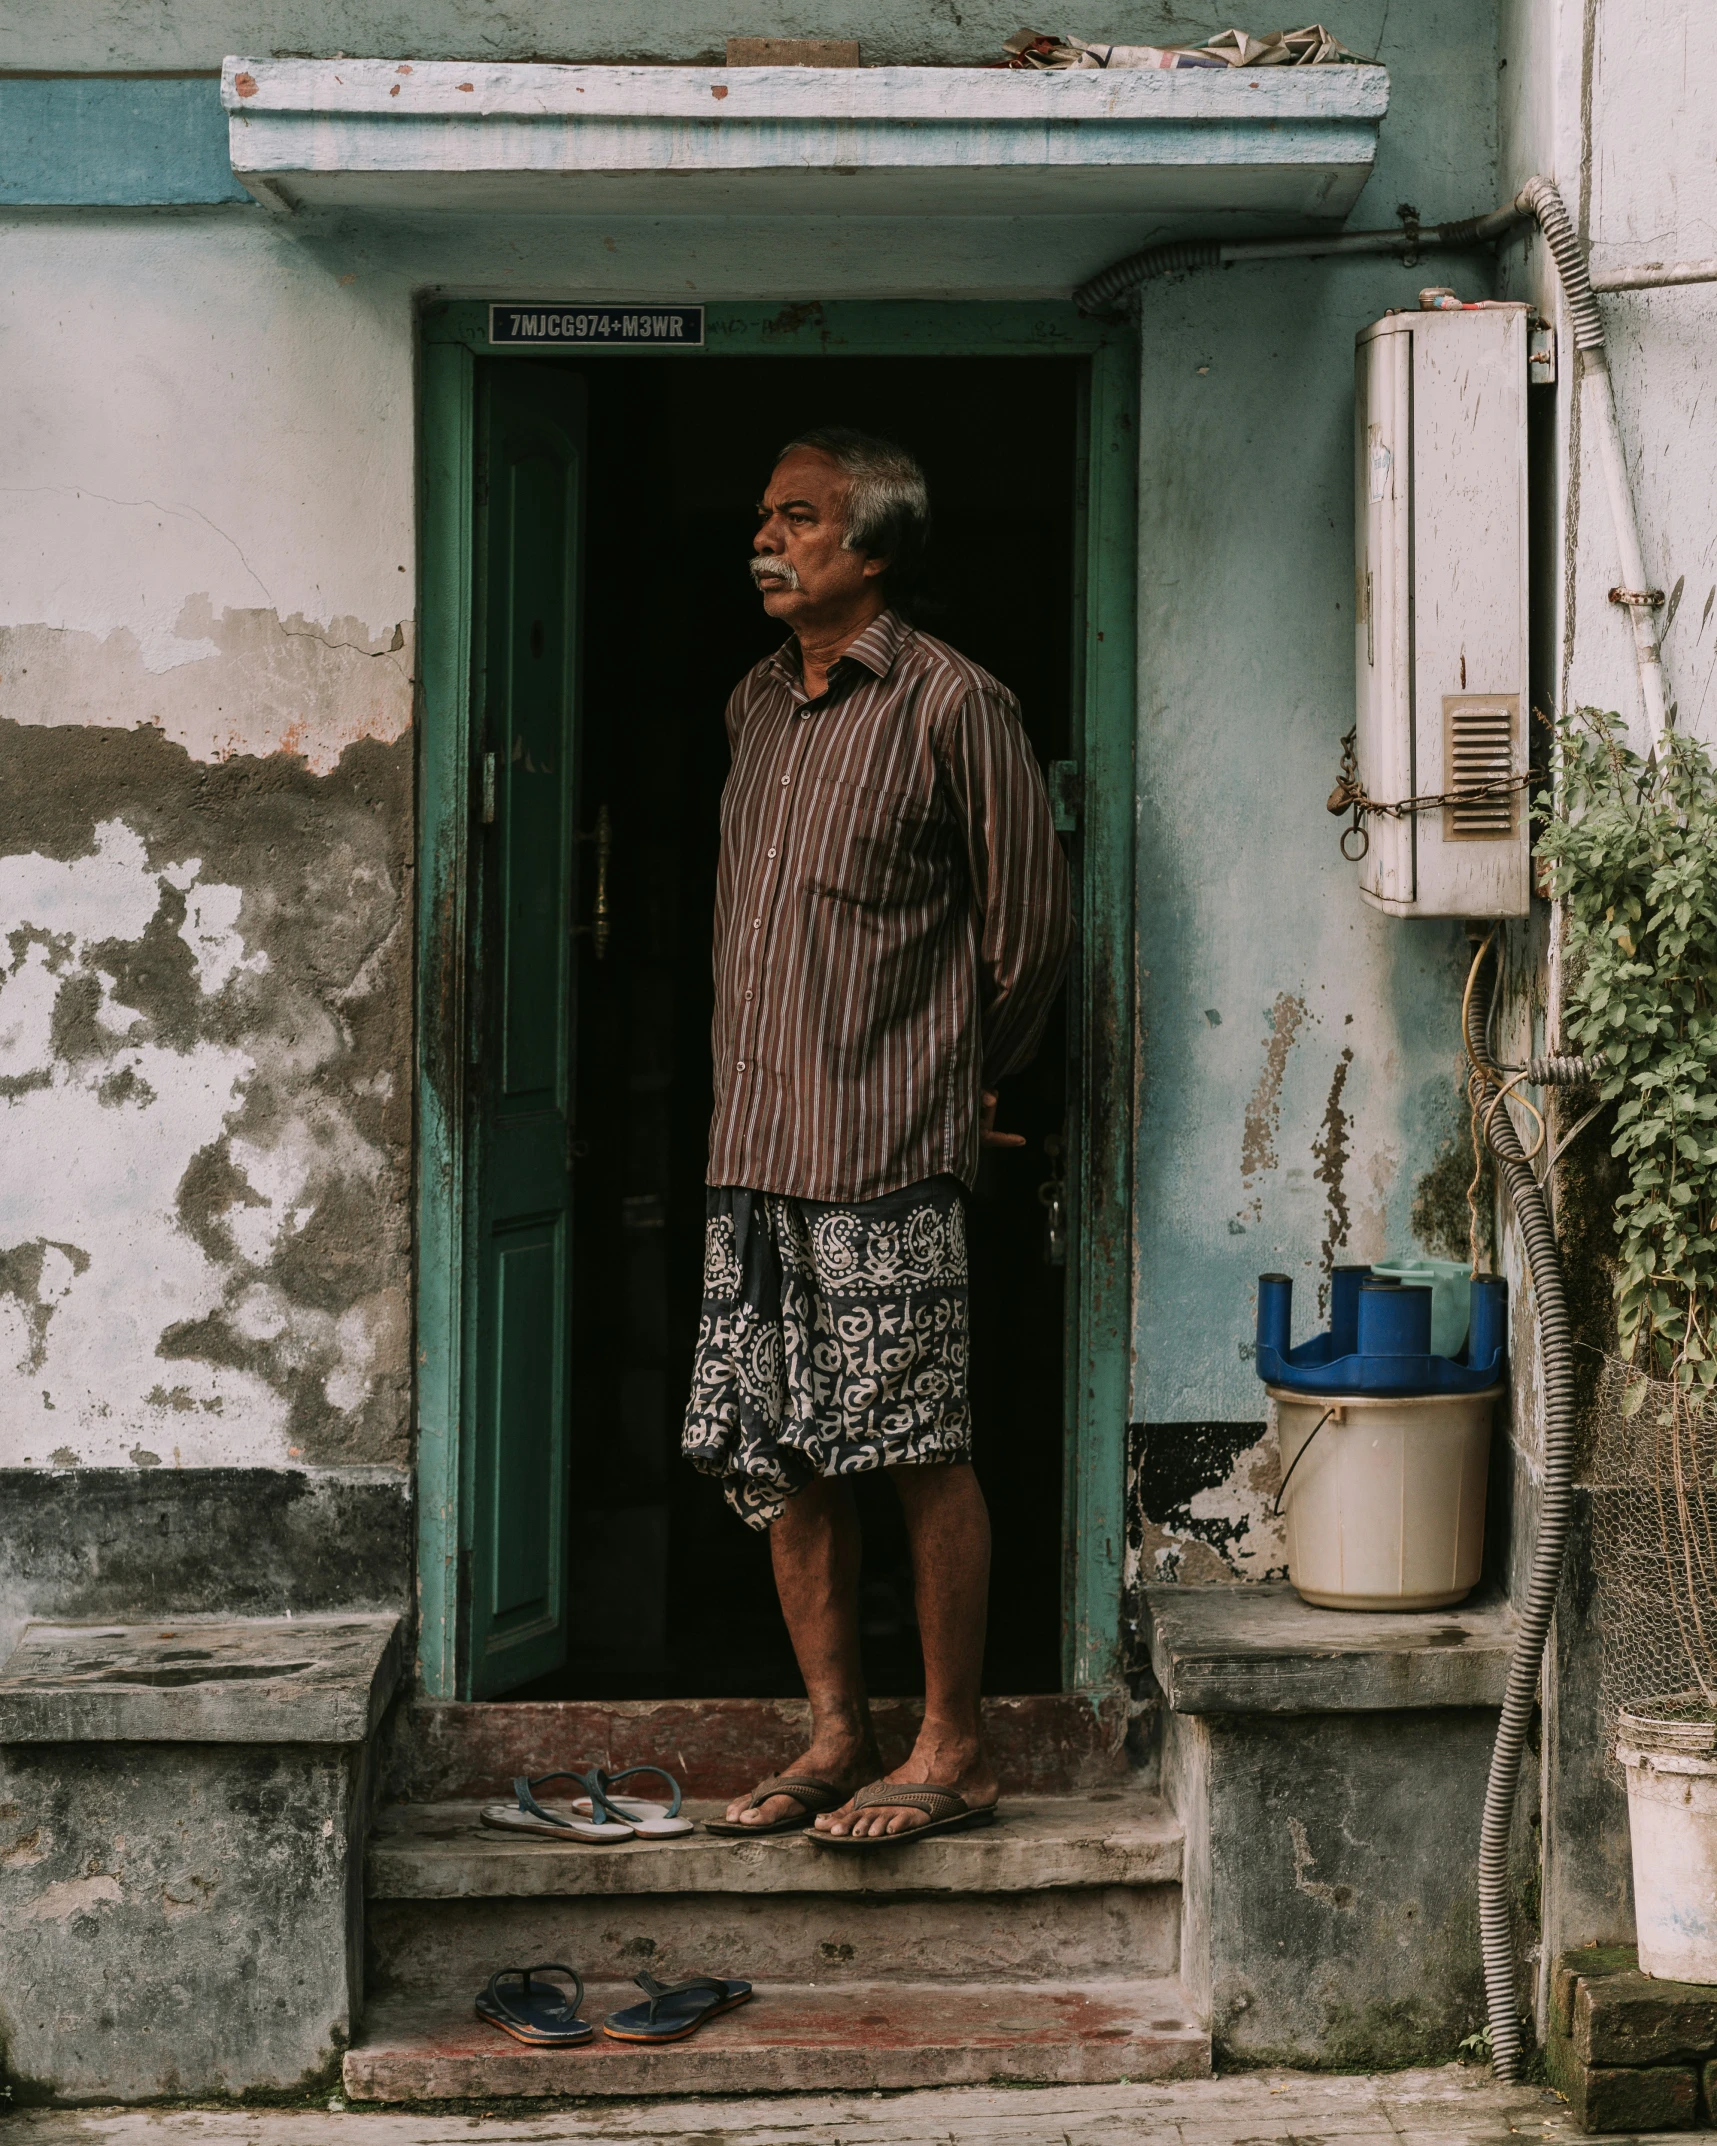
(206, 559)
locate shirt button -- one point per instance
(757, 923)
(739, 1065)
(769, 853)
(785, 780)
(748, 994)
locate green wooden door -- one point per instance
(530, 480)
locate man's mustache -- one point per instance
(766, 567)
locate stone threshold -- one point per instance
(1042, 1743)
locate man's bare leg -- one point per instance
(816, 1548)
(948, 1525)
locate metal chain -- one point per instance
(1348, 795)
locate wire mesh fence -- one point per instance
(1652, 1476)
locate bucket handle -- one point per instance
(1276, 1509)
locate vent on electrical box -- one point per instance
(1478, 750)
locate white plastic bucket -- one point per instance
(1672, 1816)
(1385, 1505)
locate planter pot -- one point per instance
(1385, 1503)
(1671, 1766)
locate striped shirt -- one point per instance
(892, 918)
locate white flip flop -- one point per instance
(650, 1821)
(526, 1815)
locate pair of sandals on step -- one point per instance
(944, 1811)
(597, 1815)
(525, 2003)
(604, 1819)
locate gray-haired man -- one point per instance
(892, 921)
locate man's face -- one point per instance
(797, 557)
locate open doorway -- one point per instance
(668, 1595)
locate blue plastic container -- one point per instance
(1379, 1339)
(1394, 1320)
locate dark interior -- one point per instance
(671, 1595)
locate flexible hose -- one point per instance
(1539, 199)
(1557, 1070)
(1105, 287)
(1555, 1507)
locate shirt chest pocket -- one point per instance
(875, 849)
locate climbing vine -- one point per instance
(1631, 846)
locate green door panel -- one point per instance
(530, 462)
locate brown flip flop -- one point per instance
(814, 1796)
(944, 1811)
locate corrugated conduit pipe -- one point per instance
(1555, 1506)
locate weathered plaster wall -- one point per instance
(1618, 107)
(210, 535)
(206, 571)
(1299, 1100)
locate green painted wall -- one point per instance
(1298, 1059)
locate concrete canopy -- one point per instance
(390, 135)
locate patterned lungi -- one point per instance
(833, 1340)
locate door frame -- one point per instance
(1103, 1054)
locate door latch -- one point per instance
(1052, 1196)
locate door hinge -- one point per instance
(1066, 795)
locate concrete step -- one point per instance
(1076, 1887)
(796, 2037)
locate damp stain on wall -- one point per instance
(1263, 1116)
(204, 1020)
(1331, 1150)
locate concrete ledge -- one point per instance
(127, 1545)
(377, 134)
(252, 1680)
(1261, 1650)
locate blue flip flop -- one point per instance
(537, 2013)
(675, 2009)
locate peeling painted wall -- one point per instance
(206, 526)
(1620, 106)
(1299, 1098)
(205, 853)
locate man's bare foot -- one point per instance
(845, 1759)
(938, 1759)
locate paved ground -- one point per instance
(1454, 2106)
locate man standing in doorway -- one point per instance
(892, 922)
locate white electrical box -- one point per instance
(1441, 604)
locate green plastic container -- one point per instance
(1450, 1283)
